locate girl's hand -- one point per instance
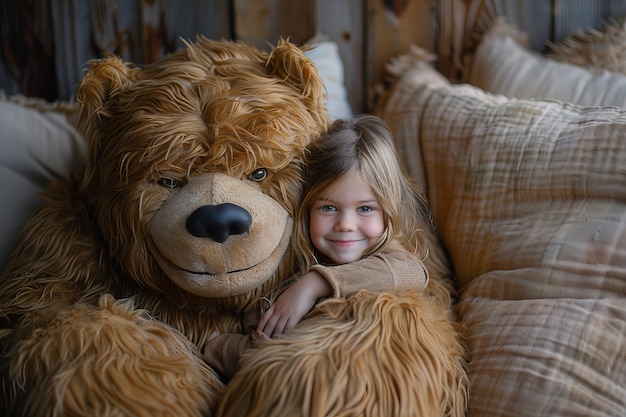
(293, 304)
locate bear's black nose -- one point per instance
(219, 222)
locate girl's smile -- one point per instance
(346, 220)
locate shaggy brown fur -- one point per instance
(215, 123)
(142, 366)
(372, 355)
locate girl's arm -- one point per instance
(293, 304)
(393, 269)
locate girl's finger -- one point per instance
(264, 319)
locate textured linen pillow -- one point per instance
(530, 199)
(502, 64)
(39, 143)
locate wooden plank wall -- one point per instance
(544, 21)
(344, 23)
(45, 44)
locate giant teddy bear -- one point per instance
(178, 225)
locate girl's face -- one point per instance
(346, 219)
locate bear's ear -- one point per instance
(288, 62)
(104, 78)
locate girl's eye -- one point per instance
(328, 208)
(258, 175)
(170, 183)
(365, 209)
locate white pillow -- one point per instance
(501, 64)
(39, 144)
(325, 56)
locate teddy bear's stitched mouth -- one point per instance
(214, 274)
(211, 274)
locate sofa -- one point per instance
(528, 193)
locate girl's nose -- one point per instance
(345, 223)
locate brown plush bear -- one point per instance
(179, 224)
(181, 218)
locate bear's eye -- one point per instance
(170, 183)
(258, 175)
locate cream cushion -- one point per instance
(529, 197)
(325, 55)
(39, 143)
(502, 64)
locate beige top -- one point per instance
(393, 269)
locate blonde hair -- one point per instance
(366, 145)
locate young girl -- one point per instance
(358, 227)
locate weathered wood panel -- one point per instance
(46, 44)
(76, 31)
(343, 22)
(571, 16)
(71, 23)
(531, 16)
(261, 21)
(163, 25)
(544, 21)
(392, 26)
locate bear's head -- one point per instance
(195, 163)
